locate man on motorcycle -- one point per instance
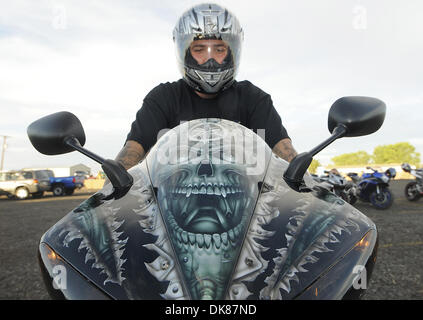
(208, 47)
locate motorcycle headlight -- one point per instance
(349, 277)
(62, 280)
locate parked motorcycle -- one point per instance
(374, 187)
(211, 213)
(413, 190)
(334, 182)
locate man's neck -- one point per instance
(206, 95)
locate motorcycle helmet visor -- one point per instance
(204, 50)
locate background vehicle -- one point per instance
(203, 224)
(22, 184)
(374, 187)
(337, 184)
(83, 174)
(413, 190)
(64, 185)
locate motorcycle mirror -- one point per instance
(360, 115)
(48, 134)
(348, 117)
(62, 132)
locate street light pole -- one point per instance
(3, 151)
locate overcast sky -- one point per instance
(98, 59)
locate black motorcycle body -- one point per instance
(211, 213)
(339, 186)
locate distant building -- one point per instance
(81, 168)
(68, 171)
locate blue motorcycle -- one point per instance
(374, 187)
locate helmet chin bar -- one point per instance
(209, 82)
(211, 76)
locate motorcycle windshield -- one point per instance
(207, 175)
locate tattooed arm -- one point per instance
(285, 150)
(131, 154)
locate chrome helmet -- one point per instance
(208, 47)
(391, 173)
(406, 167)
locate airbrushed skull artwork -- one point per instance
(207, 185)
(209, 216)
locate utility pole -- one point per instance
(3, 150)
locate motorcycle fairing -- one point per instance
(285, 240)
(207, 176)
(119, 244)
(293, 239)
(368, 183)
(355, 267)
(418, 173)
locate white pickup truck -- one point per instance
(22, 184)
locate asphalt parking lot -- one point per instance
(398, 273)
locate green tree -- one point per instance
(313, 166)
(355, 158)
(396, 153)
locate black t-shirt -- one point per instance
(168, 104)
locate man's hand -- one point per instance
(285, 150)
(131, 154)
